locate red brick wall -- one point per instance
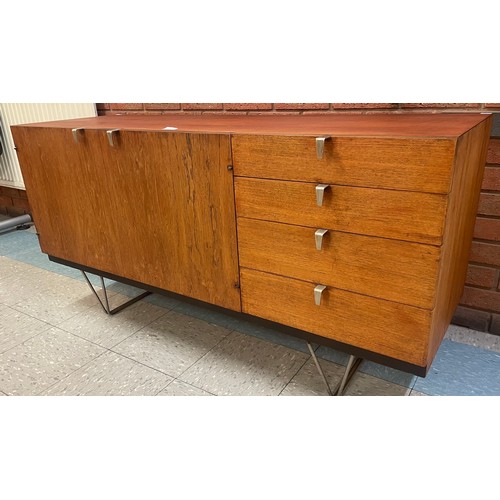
(13, 201)
(480, 303)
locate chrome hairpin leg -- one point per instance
(318, 366)
(352, 366)
(105, 304)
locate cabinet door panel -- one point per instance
(156, 207)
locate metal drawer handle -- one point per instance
(320, 192)
(75, 133)
(318, 292)
(110, 136)
(318, 236)
(320, 146)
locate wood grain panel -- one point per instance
(460, 218)
(373, 125)
(400, 215)
(407, 164)
(388, 269)
(381, 326)
(156, 208)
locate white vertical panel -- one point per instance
(15, 114)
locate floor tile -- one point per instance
(13, 242)
(40, 293)
(38, 363)
(243, 365)
(473, 337)
(108, 330)
(111, 375)
(207, 314)
(416, 393)
(16, 327)
(462, 370)
(363, 384)
(178, 388)
(172, 343)
(308, 381)
(370, 368)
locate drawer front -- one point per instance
(388, 269)
(387, 213)
(381, 326)
(405, 164)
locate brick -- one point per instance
(495, 324)
(202, 106)
(101, 106)
(255, 106)
(8, 191)
(21, 203)
(3, 210)
(491, 179)
(365, 105)
(487, 229)
(492, 105)
(485, 277)
(123, 106)
(481, 299)
(489, 204)
(162, 106)
(15, 211)
(413, 105)
(493, 151)
(471, 318)
(301, 106)
(21, 193)
(5, 201)
(485, 253)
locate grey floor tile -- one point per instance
(308, 381)
(108, 330)
(473, 338)
(2, 394)
(370, 368)
(42, 294)
(245, 366)
(416, 393)
(363, 384)
(16, 327)
(172, 343)
(36, 364)
(178, 388)
(111, 375)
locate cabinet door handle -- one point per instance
(110, 136)
(318, 236)
(320, 146)
(320, 192)
(75, 133)
(318, 293)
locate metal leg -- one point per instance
(352, 366)
(105, 305)
(318, 366)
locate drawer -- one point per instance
(387, 213)
(388, 269)
(385, 327)
(410, 164)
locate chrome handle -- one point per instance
(320, 192)
(318, 236)
(318, 293)
(110, 136)
(320, 146)
(75, 133)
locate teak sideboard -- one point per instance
(353, 230)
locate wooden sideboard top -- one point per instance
(450, 125)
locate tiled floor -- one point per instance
(56, 340)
